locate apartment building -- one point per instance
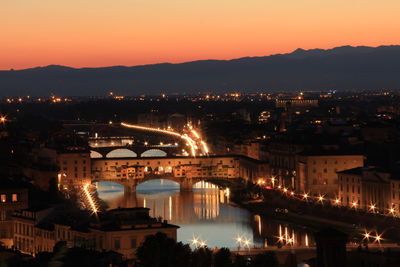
(317, 171)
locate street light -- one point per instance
(321, 198)
(372, 208)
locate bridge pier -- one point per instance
(129, 189)
(186, 184)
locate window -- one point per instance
(84, 161)
(76, 162)
(325, 170)
(3, 198)
(117, 243)
(325, 181)
(14, 197)
(314, 181)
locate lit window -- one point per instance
(3, 198)
(14, 197)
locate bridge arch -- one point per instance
(154, 153)
(166, 184)
(95, 154)
(120, 153)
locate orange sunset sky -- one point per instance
(93, 33)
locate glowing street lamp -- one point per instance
(337, 201)
(321, 199)
(273, 181)
(247, 243)
(367, 235)
(372, 208)
(378, 238)
(305, 196)
(392, 211)
(202, 244)
(354, 204)
(194, 241)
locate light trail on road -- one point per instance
(194, 143)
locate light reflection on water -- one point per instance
(205, 212)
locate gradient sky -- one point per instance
(96, 33)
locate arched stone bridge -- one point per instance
(134, 151)
(220, 170)
(185, 184)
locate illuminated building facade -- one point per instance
(119, 230)
(75, 167)
(317, 172)
(12, 197)
(370, 188)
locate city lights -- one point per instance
(392, 211)
(3, 119)
(89, 198)
(194, 145)
(372, 207)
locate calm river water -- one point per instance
(205, 213)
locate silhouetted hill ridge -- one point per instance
(343, 67)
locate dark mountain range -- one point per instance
(343, 68)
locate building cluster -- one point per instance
(121, 230)
(340, 146)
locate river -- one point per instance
(206, 214)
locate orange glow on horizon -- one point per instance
(95, 33)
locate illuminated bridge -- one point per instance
(186, 171)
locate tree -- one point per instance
(240, 261)
(267, 259)
(222, 258)
(202, 257)
(161, 251)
